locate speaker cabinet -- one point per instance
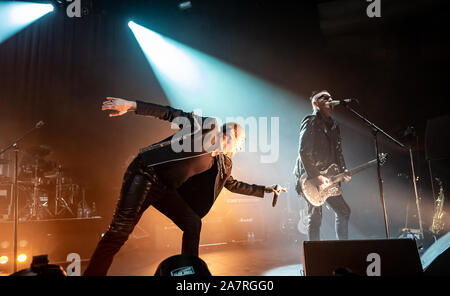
(361, 257)
(244, 221)
(436, 259)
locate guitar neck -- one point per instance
(362, 167)
(340, 177)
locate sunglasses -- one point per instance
(324, 97)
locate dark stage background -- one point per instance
(60, 69)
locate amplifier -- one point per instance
(361, 257)
(244, 221)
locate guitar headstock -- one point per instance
(383, 157)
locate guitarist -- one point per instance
(319, 147)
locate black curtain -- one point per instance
(59, 70)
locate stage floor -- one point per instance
(252, 259)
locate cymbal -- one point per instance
(52, 176)
(30, 165)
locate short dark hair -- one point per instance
(315, 92)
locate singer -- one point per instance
(181, 185)
(319, 147)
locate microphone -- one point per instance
(40, 124)
(275, 198)
(334, 103)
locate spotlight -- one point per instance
(17, 15)
(4, 259)
(22, 258)
(25, 14)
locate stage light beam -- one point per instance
(16, 15)
(171, 62)
(4, 259)
(192, 79)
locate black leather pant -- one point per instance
(140, 189)
(342, 210)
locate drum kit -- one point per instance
(45, 188)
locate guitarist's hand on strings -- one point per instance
(347, 177)
(321, 181)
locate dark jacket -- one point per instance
(201, 190)
(319, 146)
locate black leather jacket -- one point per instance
(201, 190)
(319, 146)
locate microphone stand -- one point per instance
(375, 131)
(15, 146)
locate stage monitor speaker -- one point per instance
(361, 257)
(436, 259)
(183, 265)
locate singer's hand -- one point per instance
(119, 106)
(275, 189)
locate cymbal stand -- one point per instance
(58, 197)
(34, 206)
(15, 146)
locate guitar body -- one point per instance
(318, 196)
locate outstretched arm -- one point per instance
(250, 189)
(118, 106)
(121, 106)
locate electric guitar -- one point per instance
(318, 195)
